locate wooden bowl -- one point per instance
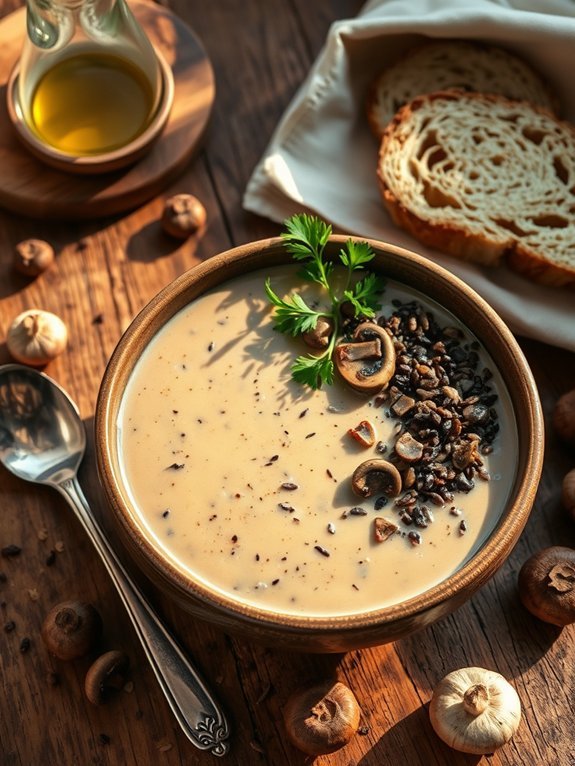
(337, 633)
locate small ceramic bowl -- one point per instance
(97, 163)
(326, 633)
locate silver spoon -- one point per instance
(42, 439)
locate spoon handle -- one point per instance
(194, 707)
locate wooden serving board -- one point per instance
(30, 187)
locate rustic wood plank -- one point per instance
(105, 272)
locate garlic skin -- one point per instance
(36, 337)
(474, 710)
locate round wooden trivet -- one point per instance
(30, 187)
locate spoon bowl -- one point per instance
(42, 440)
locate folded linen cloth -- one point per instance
(322, 157)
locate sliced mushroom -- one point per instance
(465, 452)
(383, 529)
(364, 433)
(321, 333)
(408, 448)
(376, 476)
(367, 362)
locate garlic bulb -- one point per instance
(475, 710)
(35, 337)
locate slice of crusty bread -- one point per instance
(482, 177)
(456, 64)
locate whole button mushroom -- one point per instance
(322, 719)
(71, 629)
(547, 585)
(564, 418)
(367, 362)
(33, 256)
(106, 674)
(568, 492)
(183, 215)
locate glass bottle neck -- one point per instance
(53, 23)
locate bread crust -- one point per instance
(445, 227)
(441, 65)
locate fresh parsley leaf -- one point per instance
(292, 316)
(305, 235)
(312, 371)
(356, 254)
(305, 238)
(364, 295)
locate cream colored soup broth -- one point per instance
(242, 476)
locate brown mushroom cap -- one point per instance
(547, 585)
(322, 719)
(367, 363)
(71, 629)
(183, 215)
(374, 476)
(106, 674)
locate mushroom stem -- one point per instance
(476, 699)
(351, 352)
(68, 620)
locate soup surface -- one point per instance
(243, 477)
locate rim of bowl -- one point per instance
(404, 266)
(93, 163)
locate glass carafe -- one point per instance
(89, 79)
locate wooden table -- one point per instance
(106, 271)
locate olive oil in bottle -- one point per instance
(91, 103)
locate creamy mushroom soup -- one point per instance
(243, 477)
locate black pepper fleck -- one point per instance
(9, 626)
(322, 550)
(51, 558)
(9, 551)
(25, 645)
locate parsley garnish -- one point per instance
(305, 238)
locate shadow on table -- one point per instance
(150, 243)
(412, 737)
(493, 630)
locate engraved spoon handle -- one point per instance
(194, 707)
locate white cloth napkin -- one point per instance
(322, 156)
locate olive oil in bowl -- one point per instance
(91, 103)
